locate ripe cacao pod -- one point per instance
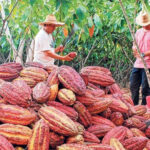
(16, 134)
(15, 95)
(66, 96)
(38, 74)
(15, 115)
(69, 111)
(7, 73)
(41, 92)
(58, 121)
(5, 144)
(84, 115)
(40, 136)
(71, 80)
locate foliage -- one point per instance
(110, 46)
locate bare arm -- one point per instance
(56, 56)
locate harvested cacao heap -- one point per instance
(57, 108)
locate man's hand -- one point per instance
(68, 58)
(59, 49)
(136, 54)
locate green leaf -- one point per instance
(32, 2)
(90, 22)
(97, 21)
(58, 4)
(81, 12)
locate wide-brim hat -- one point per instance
(143, 19)
(51, 19)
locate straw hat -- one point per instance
(51, 19)
(143, 19)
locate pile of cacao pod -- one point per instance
(48, 108)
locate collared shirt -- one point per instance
(43, 41)
(143, 40)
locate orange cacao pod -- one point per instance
(133, 122)
(34, 64)
(140, 109)
(78, 139)
(16, 115)
(7, 73)
(135, 143)
(69, 111)
(66, 96)
(58, 121)
(40, 136)
(117, 118)
(38, 74)
(116, 144)
(5, 144)
(16, 134)
(98, 75)
(80, 127)
(114, 88)
(13, 65)
(84, 115)
(117, 132)
(99, 106)
(50, 68)
(96, 146)
(53, 83)
(56, 140)
(118, 105)
(71, 80)
(41, 92)
(90, 96)
(90, 137)
(73, 147)
(137, 132)
(30, 82)
(14, 94)
(102, 121)
(99, 130)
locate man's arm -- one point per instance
(56, 56)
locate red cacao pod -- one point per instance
(71, 80)
(40, 136)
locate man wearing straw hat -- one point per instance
(44, 51)
(138, 75)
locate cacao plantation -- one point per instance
(82, 104)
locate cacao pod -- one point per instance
(16, 115)
(135, 143)
(16, 134)
(13, 65)
(84, 115)
(7, 73)
(117, 132)
(58, 121)
(66, 96)
(38, 74)
(56, 140)
(40, 136)
(69, 111)
(71, 80)
(41, 92)
(5, 144)
(15, 95)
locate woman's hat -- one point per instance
(143, 19)
(51, 19)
